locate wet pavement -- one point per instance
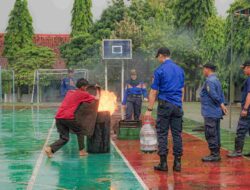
(23, 132)
(228, 174)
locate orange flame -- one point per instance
(107, 102)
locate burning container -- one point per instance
(95, 120)
(100, 141)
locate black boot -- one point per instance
(177, 164)
(247, 154)
(213, 157)
(162, 165)
(238, 149)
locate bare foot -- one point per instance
(48, 151)
(83, 153)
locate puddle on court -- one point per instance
(22, 136)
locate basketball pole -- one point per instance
(117, 49)
(106, 76)
(122, 89)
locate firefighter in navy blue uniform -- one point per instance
(169, 84)
(135, 92)
(244, 121)
(68, 83)
(212, 109)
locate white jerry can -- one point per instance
(148, 138)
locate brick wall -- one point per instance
(53, 41)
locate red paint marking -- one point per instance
(229, 174)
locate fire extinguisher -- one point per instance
(148, 137)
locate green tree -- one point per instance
(134, 33)
(213, 40)
(237, 38)
(81, 50)
(144, 10)
(238, 26)
(212, 46)
(81, 17)
(19, 32)
(163, 10)
(141, 11)
(26, 62)
(192, 14)
(114, 13)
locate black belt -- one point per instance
(164, 102)
(135, 95)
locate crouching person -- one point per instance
(65, 118)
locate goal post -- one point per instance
(47, 84)
(7, 86)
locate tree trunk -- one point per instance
(18, 94)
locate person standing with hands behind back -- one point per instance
(169, 84)
(212, 109)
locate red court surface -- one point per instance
(230, 174)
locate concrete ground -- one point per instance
(192, 110)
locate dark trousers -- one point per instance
(169, 116)
(64, 127)
(242, 129)
(212, 133)
(133, 107)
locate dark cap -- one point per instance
(163, 51)
(247, 63)
(210, 66)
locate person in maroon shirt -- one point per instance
(65, 119)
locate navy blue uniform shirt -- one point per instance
(169, 81)
(212, 97)
(136, 88)
(245, 91)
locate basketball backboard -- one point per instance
(117, 49)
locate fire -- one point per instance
(107, 102)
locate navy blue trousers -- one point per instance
(169, 116)
(212, 133)
(133, 108)
(243, 128)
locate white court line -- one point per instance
(39, 160)
(130, 167)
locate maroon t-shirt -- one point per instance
(71, 102)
